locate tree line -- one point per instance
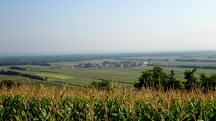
(157, 78)
(32, 76)
(183, 66)
(17, 68)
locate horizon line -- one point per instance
(95, 53)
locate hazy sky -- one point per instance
(98, 26)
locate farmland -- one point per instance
(107, 60)
(60, 90)
(55, 76)
(117, 104)
(85, 77)
(66, 72)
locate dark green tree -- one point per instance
(191, 79)
(156, 78)
(102, 85)
(7, 84)
(208, 82)
(212, 81)
(173, 83)
(146, 80)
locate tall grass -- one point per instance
(117, 104)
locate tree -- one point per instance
(191, 79)
(102, 85)
(172, 83)
(160, 77)
(152, 78)
(8, 84)
(146, 80)
(212, 81)
(208, 82)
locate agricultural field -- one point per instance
(64, 71)
(71, 95)
(118, 104)
(55, 76)
(63, 68)
(178, 63)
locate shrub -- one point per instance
(102, 85)
(8, 84)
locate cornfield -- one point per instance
(26, 103)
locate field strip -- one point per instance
(55, 76)
(70, 84)
(130, 83)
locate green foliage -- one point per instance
(18, 108)
(151, 78)
(170, 82)
(17, 68)
(32, 76)
(157, 78)
(208, 82)
(191, 79)
(103, 85)
(8, 84)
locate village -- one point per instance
(113, 64)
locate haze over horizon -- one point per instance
(96, 26)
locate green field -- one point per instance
(64, 71)
(55, 76)
(175, 104)
(178, 63)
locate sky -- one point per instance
(106, 26)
